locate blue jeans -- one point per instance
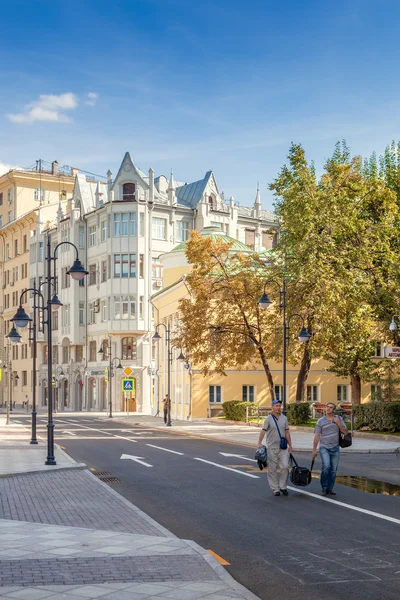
(330, 463)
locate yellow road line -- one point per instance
(219, 558)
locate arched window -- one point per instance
(129, 192)
(129, 348)
(211, 201)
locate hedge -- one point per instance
(381, 416)
(298, 413)
(235, 410)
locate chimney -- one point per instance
(74, 171)
(54, 167)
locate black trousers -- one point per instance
(165, 415)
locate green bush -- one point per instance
(235, 410)
(298, 413)
(381, 416)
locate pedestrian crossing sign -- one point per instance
(128, 385)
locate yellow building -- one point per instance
(23, 194)
(195, 396)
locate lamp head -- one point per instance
(55, 303)
(156, 336)
(14, 336)
(77, 271)
(393, 325)
(119, 366)
(181, 356)
(264, 301)
(21, 319)
(303, 335)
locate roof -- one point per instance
(190, 194)
(215, 233)
(168, 287)
(248, 211)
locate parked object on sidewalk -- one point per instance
(345, 440)
(300, 476)
(261, 457)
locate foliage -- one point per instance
(387, 375)
(298, 413)
(222, 326)
(381, 416)
(236, 410)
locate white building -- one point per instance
(121, 227)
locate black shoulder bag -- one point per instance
(283, 443)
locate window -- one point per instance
(65, 279)
(7, 301)
(141, 265)
(378, 350)
(132, 302)
(8, 257)
(25, 243)
(216, 224)
(81, 237)
(10, 216)
(124, 224)
(92, 351)
(41, 251)
(104, 346)
(159, 227)
(248, 393)
(182, 231)
(81, 313)
(156, 269)
(117, 307)
(342, 393)
(92, 236)
(250, 237)
(55, 355)
(129, 192)
(54, 320)
(9, 196)
(65, 315)
(78, 353)
(92, 313)
(215, 394)
(24, 270)
(117, 265)
(141, 300)
(45, 354)
(65, 354)
(376, 393)
(125, 307)
(104, 271)
(312, 393)
(39, 194)
(141, 223)
(92, 274)
(128, 348)
(104, 314)
(279, 392)
(64, 238)
(124, 265)
(103, 230)
(15, 248)
(269, 239)
(24, 377)
(132, 265)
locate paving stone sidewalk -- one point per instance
(67, 535)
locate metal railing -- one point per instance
(256, 412)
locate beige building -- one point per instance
(23, 192)
(196, 396)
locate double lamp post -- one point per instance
(22, 319)
(103, 355)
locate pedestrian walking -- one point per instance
(26, 402)
(279, 445)
(327, 431)
(165, 403)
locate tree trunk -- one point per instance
(268, 373)
(355, 381)
(303, 375)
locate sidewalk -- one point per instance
(247, 435)
(64, 534)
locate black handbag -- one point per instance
(345, 439)
(300, 476)
(283, 443)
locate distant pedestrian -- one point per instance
(26, 402)
(327, 436)
(279, 444)
(165, 403)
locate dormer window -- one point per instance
(211, 201)
(129, 192)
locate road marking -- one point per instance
(227, 468)
(165, 449)
(219, 558)
(101, 431)
(138, 459)
(69, 432)
(237, 456)
(345, 505)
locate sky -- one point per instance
(222, 85)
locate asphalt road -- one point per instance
(295, 548)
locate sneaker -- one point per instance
(277, 493)
(324, 492)
(331, 493)
(285, 492)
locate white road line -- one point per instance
(165, 449)
(101, 431)
(227, 468)
(345, 505)
(138, 459)
(237, 456)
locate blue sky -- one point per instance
(193, 86)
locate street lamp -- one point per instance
(303, 335)
(157, 337)
(393, 324)
(111, 364)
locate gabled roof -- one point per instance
(215, 233)
(190, 194)
(134, 169)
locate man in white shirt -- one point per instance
(276, 429)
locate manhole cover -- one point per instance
(101, 473)
(109, 479)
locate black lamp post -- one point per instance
(77, 272)
(13, 337)
(157, 337)
(303, 336)
(110, 374)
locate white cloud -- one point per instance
(92, 98)
(4, 168)
(49, 107)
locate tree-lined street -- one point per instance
(214, 493)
